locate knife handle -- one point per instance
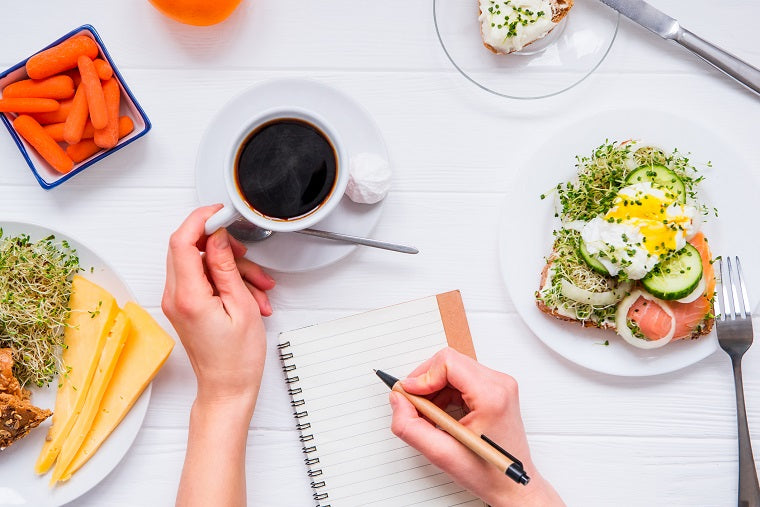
(740, 70)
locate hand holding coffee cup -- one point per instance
(286, 171)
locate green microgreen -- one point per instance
(35, 285)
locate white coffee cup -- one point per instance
(240, 208)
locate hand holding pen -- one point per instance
(492, 400)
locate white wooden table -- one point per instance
(667, 440)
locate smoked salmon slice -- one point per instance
(652, 320)
(655, 324)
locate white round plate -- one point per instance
(19, 484)
(292, 252)
(528, 222)
(549, 66)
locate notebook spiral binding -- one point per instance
(302, 424)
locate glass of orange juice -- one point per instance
(196, 12)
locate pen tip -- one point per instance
(374, 370)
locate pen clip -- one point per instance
(496, 446)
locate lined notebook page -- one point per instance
(343, 412)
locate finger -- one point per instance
(184, 267)
(262, 300)
(220, 262)
(438, 446)
(448, 367)
(422, 368)
(409, 426)
(254, 274)
(238, 248)
(207, 273)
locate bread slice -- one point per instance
(554, 312)
(8, 383)
(17, 415)
(17, 418)
(703, 329)
(560, 9)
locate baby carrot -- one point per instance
(74, 75)
(56, 116)
(74, 125)
(89, 130)
(56, 131)
(87, 148)
(96, 101)
(61, 57)
(56, 87)
(105, 72)
(29, 129)
(109, 136)
(28, 105)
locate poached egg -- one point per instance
(645, 224)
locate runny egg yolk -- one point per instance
(656, 214)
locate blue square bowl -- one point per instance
(45, 174)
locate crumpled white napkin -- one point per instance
(370, 178)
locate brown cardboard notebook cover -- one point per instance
(455, 322)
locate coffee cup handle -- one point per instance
(221, 218)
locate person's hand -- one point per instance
(494, 410)
(215, 302)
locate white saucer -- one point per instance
(292, 252)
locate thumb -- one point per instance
(220, 261)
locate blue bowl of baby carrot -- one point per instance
(67, 107)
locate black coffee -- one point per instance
(286, 168)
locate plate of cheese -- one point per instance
(107, 351)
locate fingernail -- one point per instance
(268, 308)
(222, 240)
(266, 275)
(393, 399)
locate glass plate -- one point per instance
(549, 66)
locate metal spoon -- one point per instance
(245, 231)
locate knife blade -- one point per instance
(668, 28)
(647, 16)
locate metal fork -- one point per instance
(734, 329)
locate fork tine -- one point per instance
(734, 294)
(718, 299)
(743, 289)
(736, 289)
(725, 281)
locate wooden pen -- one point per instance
(480, 445)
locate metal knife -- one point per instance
(668, 28)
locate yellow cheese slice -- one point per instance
(114, 344)
(145, 351)
(92, 312)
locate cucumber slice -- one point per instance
(592, 261)
(659, 175)
(676, 277)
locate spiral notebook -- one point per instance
(342, 410)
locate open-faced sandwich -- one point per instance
(629, 254)
(17, 415)
(510, 25)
